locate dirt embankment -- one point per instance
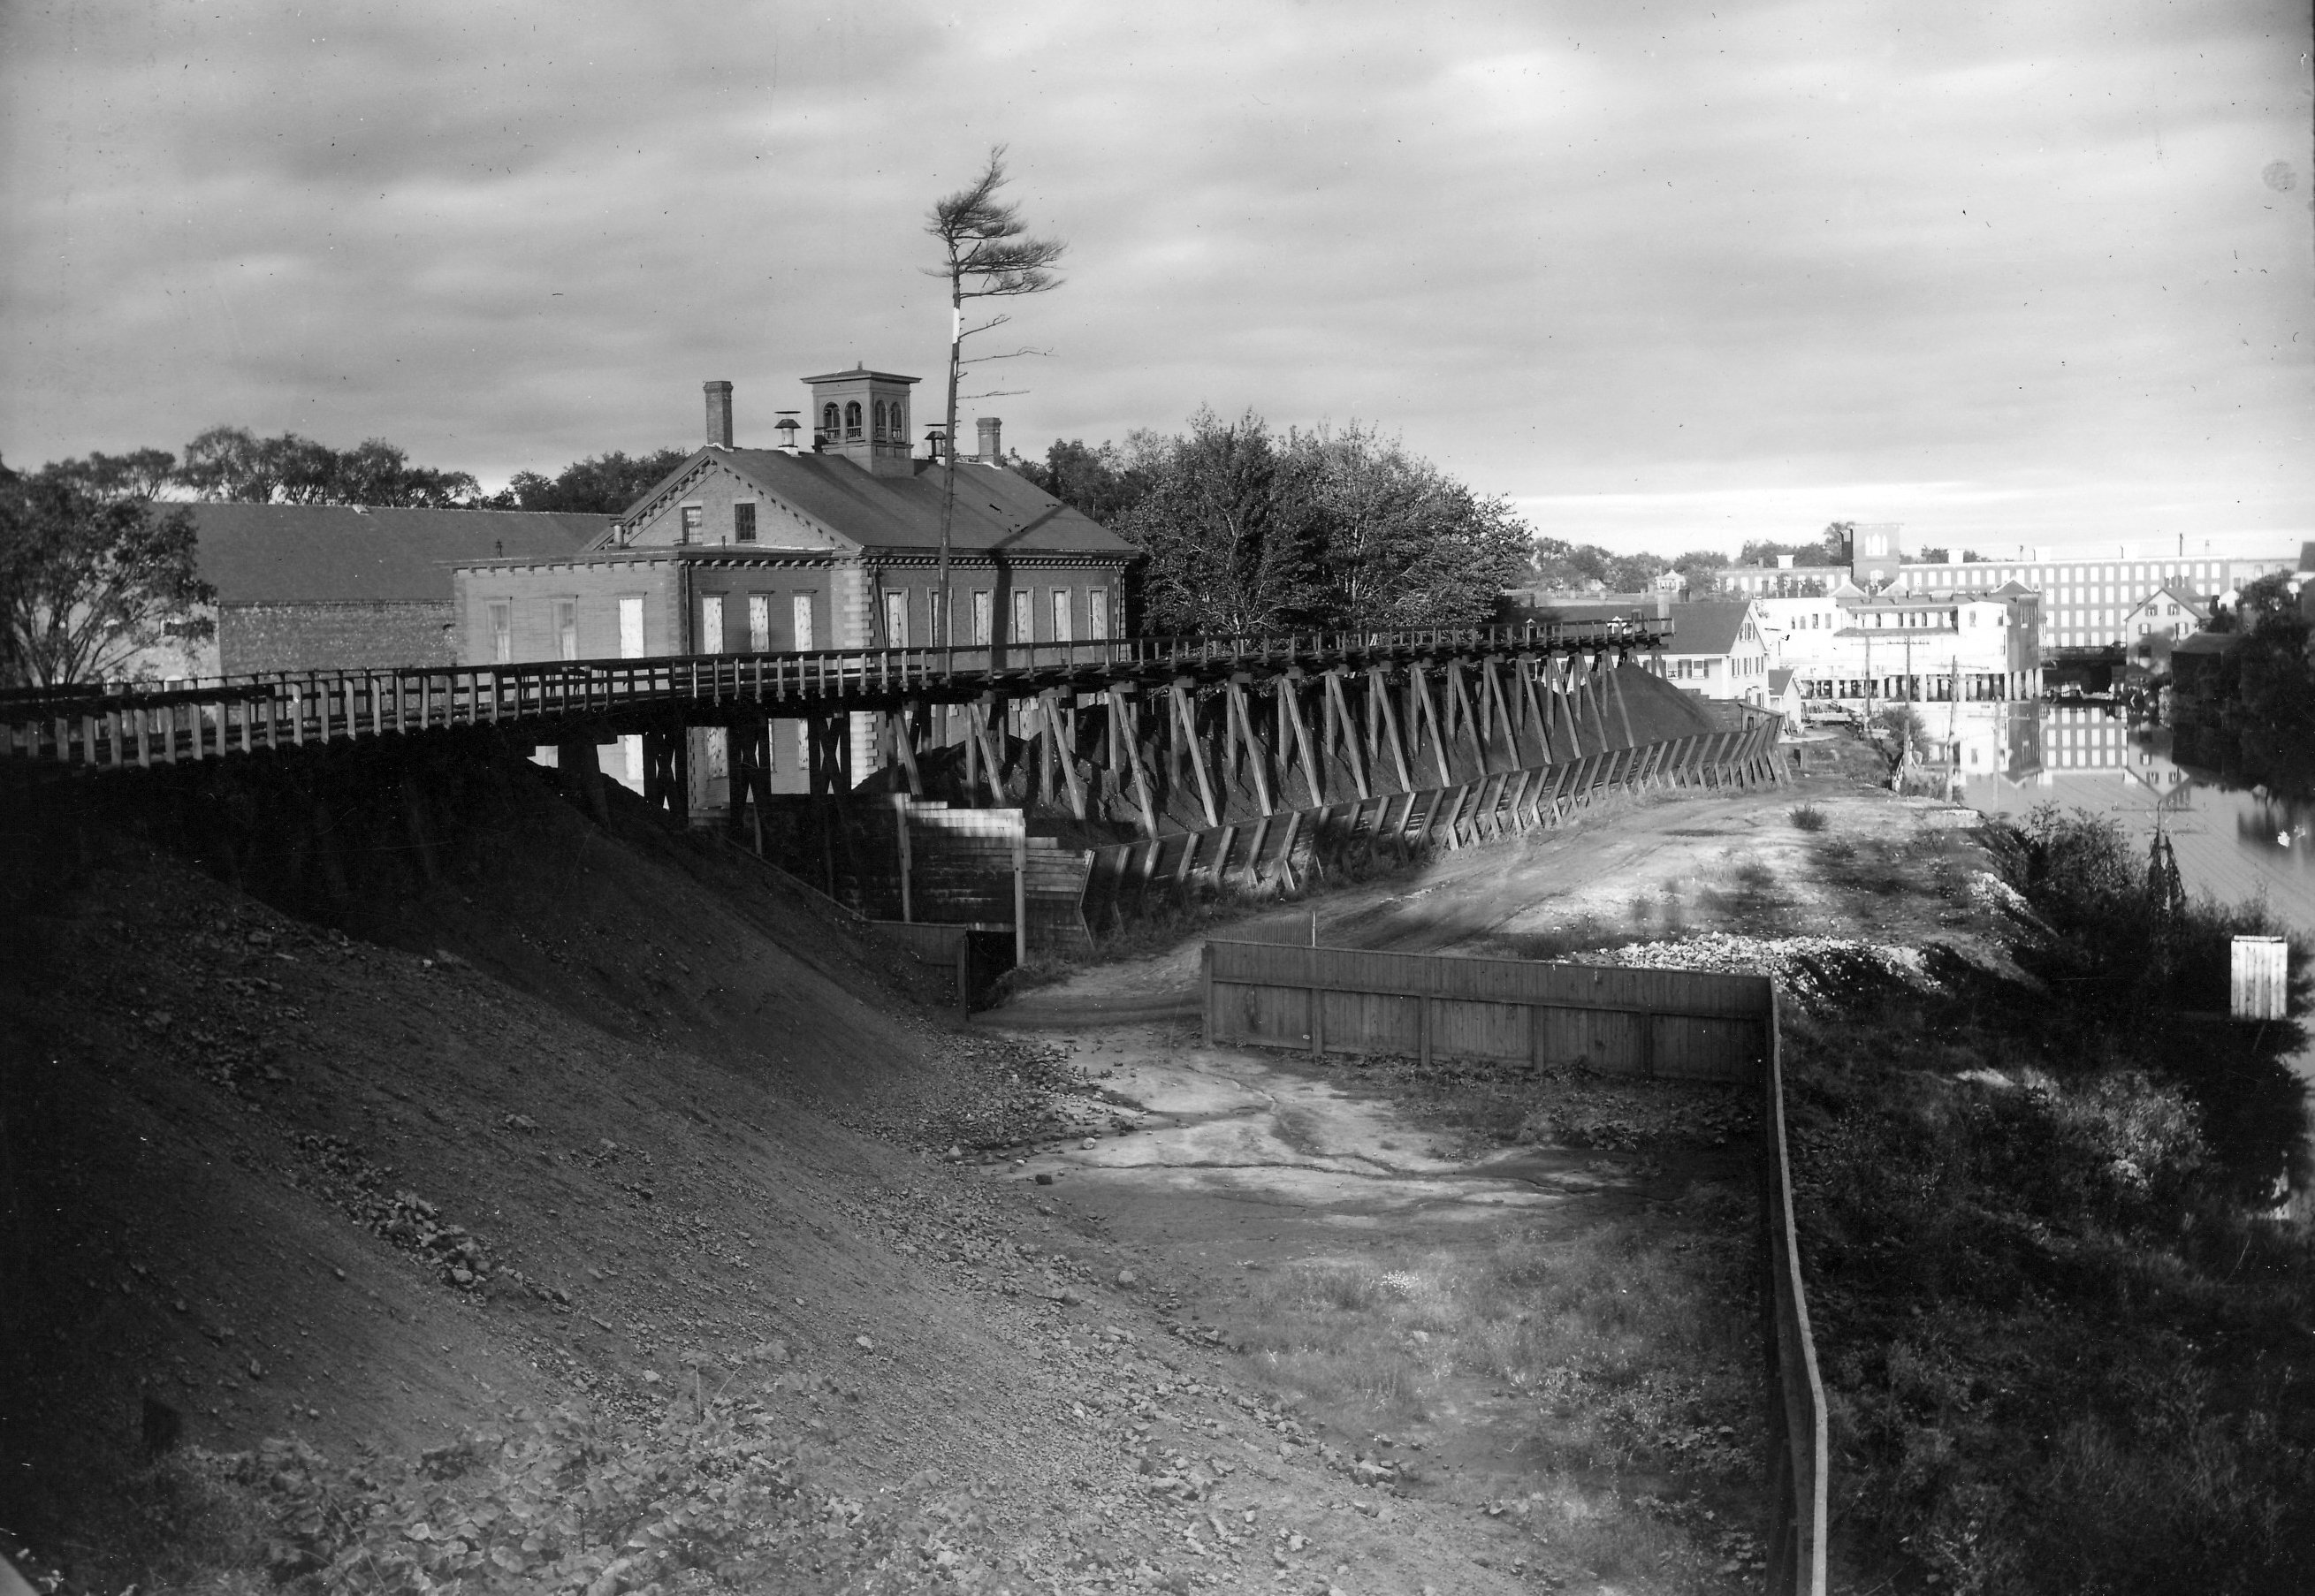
(593, 1110)
(573, 1120)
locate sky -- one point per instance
(1668, 277)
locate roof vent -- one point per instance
(787, 427)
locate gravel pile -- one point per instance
(1814, 972)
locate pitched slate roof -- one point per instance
(1780, 680)
(997, 511)
(321, 553)
(1706, 627)
(2184, 598)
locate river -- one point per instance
(2233, 844)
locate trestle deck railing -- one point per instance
(139, 725)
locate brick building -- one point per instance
(834, 545)
(328, 587)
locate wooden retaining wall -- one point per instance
(1353, 1000)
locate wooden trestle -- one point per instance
(1149, 731)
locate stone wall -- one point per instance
(266, 638)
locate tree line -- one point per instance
(2251, 714)
(96, 569)
(234, 465)
(1243, 528)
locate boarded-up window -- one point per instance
(711, 623)
(1063, 629)
(1025, 618)
(566, 629)
(803, 622)
(631, 628)
(896, 620)
(759, 623)
(984, 616)
(502, 632)
(1099, 599)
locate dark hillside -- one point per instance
(263, 1179)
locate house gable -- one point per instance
(713, 486)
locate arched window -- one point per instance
(879, 408)
(852, 422)
(828, 420)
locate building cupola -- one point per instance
(864, 416)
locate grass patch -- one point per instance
(1626, 1338)
(1616, 1354)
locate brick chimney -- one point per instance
(719, 414)
(992, 443)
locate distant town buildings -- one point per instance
(2086, 602)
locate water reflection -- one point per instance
(2236, 845)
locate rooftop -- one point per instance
(998, 512)
(323, 553)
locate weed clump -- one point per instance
(1808, 816)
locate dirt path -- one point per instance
(1245, 1177)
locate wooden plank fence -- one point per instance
(1689, 1025)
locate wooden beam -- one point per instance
(1471, 723)
(1344, 731)
(1535, 711)
(1564, 695)
(1623, 712)
(1063, 754)
(1256, 755)
(1493, 686)
(977, 727)
(1186, 729)
(903, 743)
(1254, 854)
(1423, 706)
(1379, 695)
(1124, 738)
(1288, 697)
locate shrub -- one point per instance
(1808, 816)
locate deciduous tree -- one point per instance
(599, 484)
(93, 575)
(1399, 543)
(234, 464)
(1227, 551)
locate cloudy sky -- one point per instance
(1669, 276)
